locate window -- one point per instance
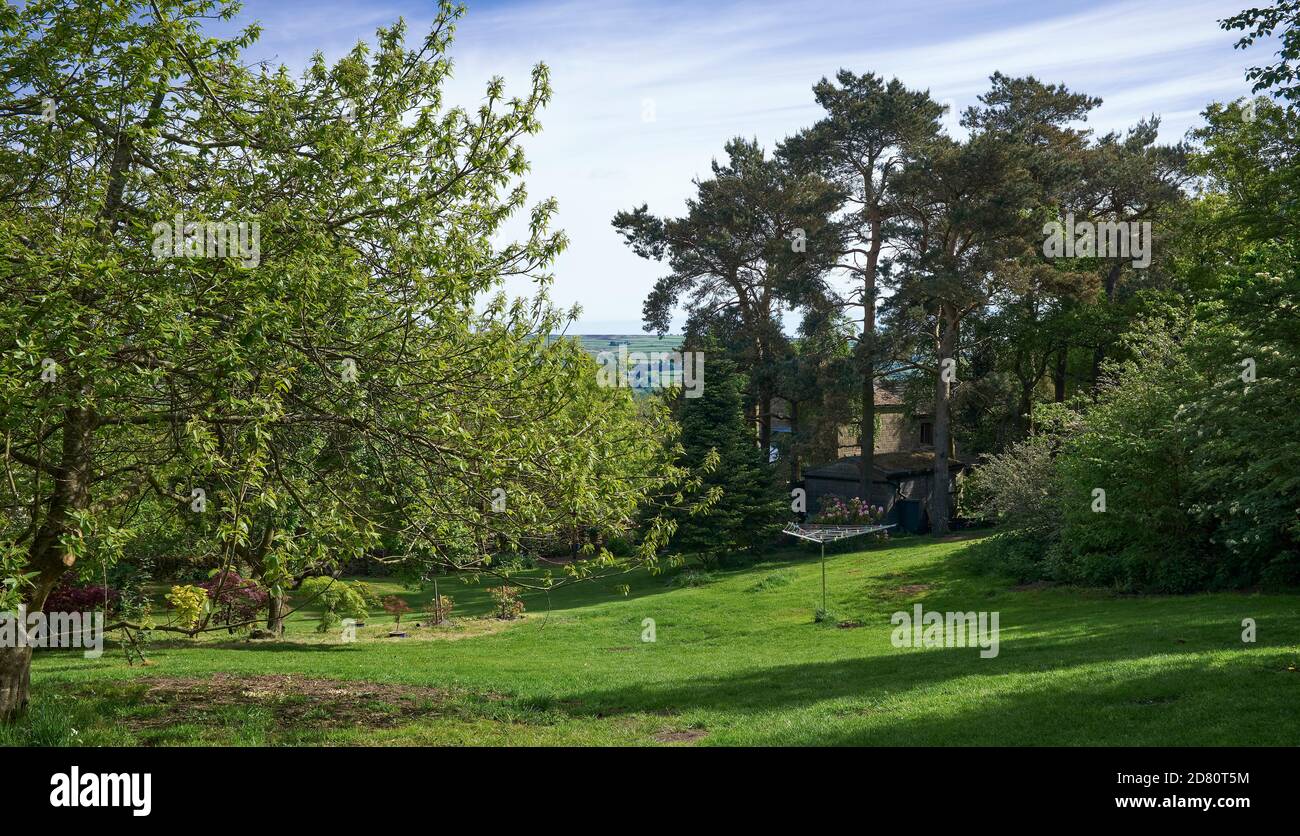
(927, 432)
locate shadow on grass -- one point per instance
(1185, 701)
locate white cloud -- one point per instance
(716, 71)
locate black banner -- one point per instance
(142, 786)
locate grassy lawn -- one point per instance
(737, 660)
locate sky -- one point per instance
(647, 92)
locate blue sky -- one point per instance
(708, 71)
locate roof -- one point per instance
(887, 397)
(884, 466)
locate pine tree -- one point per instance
(747, 513)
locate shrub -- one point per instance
(621, 545)
(824, 617)
(69, 596)
(692, 578)
(1017, 487)
(441, 608)
(1015, 553)
(1197, 466)
(857, 511)
(235, 601)
(507, 601)
(337, 599)
(188, 601)
(395, 606)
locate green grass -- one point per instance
(737, 660)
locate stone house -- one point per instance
(902, 466)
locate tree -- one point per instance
(755, 239)
(396, 607)
(317, 384)
(968, 234)
(1129, 180)
(1283, 77)
(871, 130)
(818, 381)
(745, 507)
(1189, 447)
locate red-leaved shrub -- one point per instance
(235, 600)
(70, 596)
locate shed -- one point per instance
(897, 476)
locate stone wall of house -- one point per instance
(894, 434)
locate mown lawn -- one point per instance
(737, 660)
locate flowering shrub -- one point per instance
(68, 596)
(856, 511)
(509, 604)
(234, 599)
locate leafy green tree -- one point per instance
(1282, 19)
(318, 384)
(337, 599)
(818, 382)
(1130, 180)
(1192, 436)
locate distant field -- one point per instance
(644, 344)
(596, 343)
(737, 659)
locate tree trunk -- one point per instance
(1111, 285)
(275, 614)
(1058, 375)
(46, 557)
(1027, 405)
(867, 432)
(765, 424)
(939, 510)
(794, 443)
(15, 681)
(72, 475)
(16, 662)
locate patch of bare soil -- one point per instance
(689, 736)
(912, 589)
(290, 699)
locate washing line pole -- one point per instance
(823, 544)
(821, 533)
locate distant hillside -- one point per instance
(596, 343)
